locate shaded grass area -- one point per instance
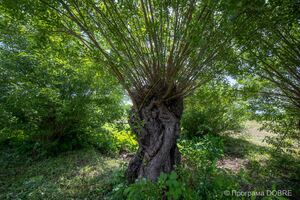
(259, 167)
(78, 174)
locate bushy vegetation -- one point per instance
(214, 108)
(113, 141)
(52, 97)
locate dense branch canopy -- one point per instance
(150, 45)
(274, 49)
(282, 64)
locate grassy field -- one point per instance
(73, 175)
(88, 174)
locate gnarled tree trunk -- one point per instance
(157, 127)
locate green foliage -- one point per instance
(168, 186)
(200, 170)
(274, 112)
(113, 141)
(213, 108)
(198, 149)
(283, 124)
(286, 133)
(268, 48)
(125, 140)
(143, 48)
(51, 96)
(143, 189)
(170, 183)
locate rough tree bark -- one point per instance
(157, 127)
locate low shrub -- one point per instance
(212, 109)
(199, 167)
(113, 141)
(168, 186)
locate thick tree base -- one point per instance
(157, 127)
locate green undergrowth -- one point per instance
(197, 178)
(210, 167)
(81, 174)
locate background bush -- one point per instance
(51, 96)
(213, 108)
(113, 141)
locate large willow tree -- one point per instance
(159, 50)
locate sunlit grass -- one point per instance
(256, 162)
